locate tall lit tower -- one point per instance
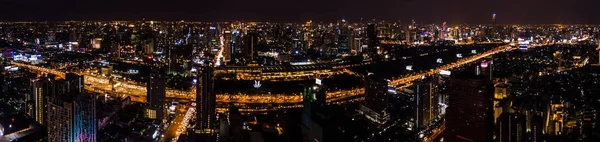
(71, 115)
(494, 19)
(205, 100)
(308, 33)
(155, 94)
(227, 46)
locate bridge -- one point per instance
(103, 85)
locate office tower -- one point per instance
(148, 46)
(313, 116)
(155, 94)
(115, 51)
(251, 40)
(179, 60)
(500, 93)
(555, 118)
(227, 46)
(205, 100)
(537, 128)
(511, 128)
(376, 99)
(469, 115)
(426, 98)
(308, 33)
(36, 103)
(71, 115)
(373, 41)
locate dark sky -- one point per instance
(423, 11)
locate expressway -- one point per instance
(103, 85)
(177, 125)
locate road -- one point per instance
(101, 84)
(173, 130)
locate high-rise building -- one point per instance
(115, 51)
(511, 128)
(251, 40)
(205, 100)
(148, 46)
(227, 46)
(308, 33)
(71, 115)
(426, 98)
(375, 107)
(36, 104)
(313, 117)
(469, 116)
(155, 94)
(373, 40)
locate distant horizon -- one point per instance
(314, 21)
(429, 11)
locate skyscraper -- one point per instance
(469, 116)
(313, 116)
(36, 104)
(155, 94)
(71, 115)
(376, 99)
(205, 100)
(427, 95)
(373, 40)
(227, 46)
(251, 39)
(511, 128)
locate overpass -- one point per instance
(104, 85)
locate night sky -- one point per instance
(423, 11)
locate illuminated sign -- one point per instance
(257, 84)
(445, 72)
(318, 81)
(474, 51)
(439, 60)
(484, 64)
(409, 67)
(459, 55)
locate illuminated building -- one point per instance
(313, 117)
(373, 40)
(227, 46)
(180, 58)
(37, 101)
(250, 41)
(500, 93)
(205, 100)
(375, 107)
(537, 128)
(116, 51)
(555, 119)
(427, 98)
(148, 46)
(96, 43)
(71, 115)
(511, 128)
(469, 116)
(308, 33)
(155, 95)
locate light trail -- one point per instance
(98, 84)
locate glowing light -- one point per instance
(257, 84)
